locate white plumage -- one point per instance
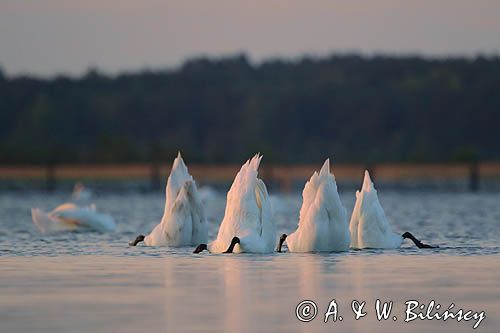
(183, 222)
(369, 226)
(323, 225)
(69, 216)
(248, 214)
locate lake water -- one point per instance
(91, 282)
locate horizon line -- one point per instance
(491, 55)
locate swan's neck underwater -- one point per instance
(418, 243)
(200, 248)
(234, 241)
(282, 240)
(230, 249)
(139, 239)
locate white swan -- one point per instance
(369, 226)
(248, 224)
(183, 222)
(69, 216)
(323, 223)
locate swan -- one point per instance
(69, 216)
(323, 225)
(369, 226)
(183, 222)
(248, 224)
(80, 192)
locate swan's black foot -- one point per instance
(418, 243)
(200, 248)
(282, 240)
(234, 241)
(139, 239)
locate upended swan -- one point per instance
(183, 222)
(369, 226)
(323, 225)
(69, 216)
(248, 224)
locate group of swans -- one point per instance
(248, 224)
(323, 225)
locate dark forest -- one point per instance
(349, 107)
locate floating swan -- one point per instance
(323, 223)
(248, 224)
(69, 216)
(183, 222)
(369, 226)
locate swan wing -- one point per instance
(322, 222)
(178, 176)
(183, 222)
(86, 217)
(46, 223)
(65, 206)
(267, 224)
(177, 224)
(198, 218)
(370, 227)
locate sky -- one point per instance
(50, 37)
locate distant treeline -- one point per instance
(351, 108)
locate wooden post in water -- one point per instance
(50, 177)
(474, 177)
(155, 176)
(286, 184)
(155, 157)
(281, 177)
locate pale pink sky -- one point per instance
(46, 37)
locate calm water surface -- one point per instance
(91, 282)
